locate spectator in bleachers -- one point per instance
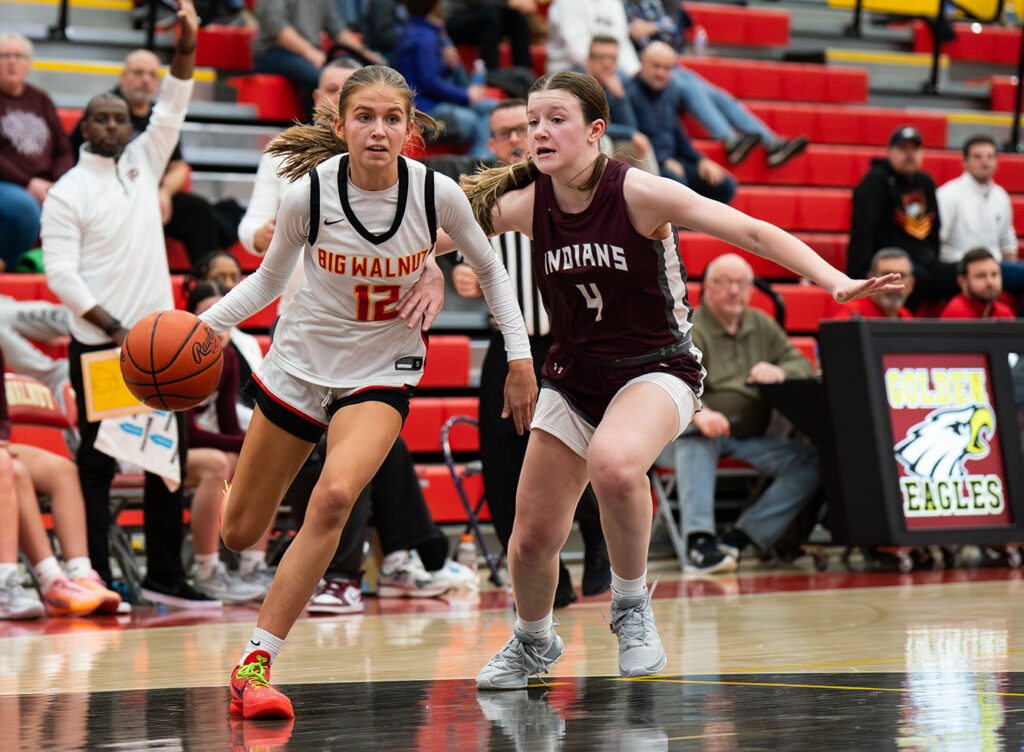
(410, 540)
(502, 450)
(186, 216)
(288, 41)
(105, 260)
(431, 66)
(976, 213)
(726, 119)
(889, 304)
(573, 23)
(484, 23)
(981, 284)
(34, 152)
(657, 105)
(895, 205)
(214, 440)
(628, 142)
(742, 347)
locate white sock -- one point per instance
(262, 640)
(251, 560)
(79, 567)
(630, 589)
(8, 569)
(540, 629)
(48, 571)
(205, 564)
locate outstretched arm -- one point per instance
(653, 201)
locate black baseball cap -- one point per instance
(905, 133)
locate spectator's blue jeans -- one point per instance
(793, 466)
(19, 223)
(724, 191)
(295, 68)
(472, 122)
(718, 111)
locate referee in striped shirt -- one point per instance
(501, 449)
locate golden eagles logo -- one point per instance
(938, 446)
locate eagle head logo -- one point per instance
(938, 446)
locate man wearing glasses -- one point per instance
(34, 151)
(742, 347)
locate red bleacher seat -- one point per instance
(225, 47)
(442, 498)
(808, 347)
(1004, 90)
(422, 430)
(447, 361)
(177, 256)
(26, 287)
(844, 166)
(36, 418)
(983, 43)
(799, 82)
(68, 118)
(741, 26)
(275, 97)
(248, 261)
(813, 209)
(699, 249)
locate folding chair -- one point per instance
(472, 511)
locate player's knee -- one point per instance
(535, 544)
(331, 503)
(236, 536)
(615, 477)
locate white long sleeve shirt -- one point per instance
(974, 216)
(264, 204)
(103, 236)
(573, 23)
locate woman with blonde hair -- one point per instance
(365, 220)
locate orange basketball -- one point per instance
(171, 360)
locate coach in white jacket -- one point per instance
(105, 258)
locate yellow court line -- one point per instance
(769, 669)
(658, 680)
(81, 66)
(889, 58)
(108, 4)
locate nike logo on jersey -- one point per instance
(333, 221)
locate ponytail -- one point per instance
(487, 186)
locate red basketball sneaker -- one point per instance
(251, 693)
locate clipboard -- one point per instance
(106, 395)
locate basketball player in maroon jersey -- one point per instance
(622, 378)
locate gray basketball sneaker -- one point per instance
(522, 657)
(640, 649)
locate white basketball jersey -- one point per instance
(342, 328)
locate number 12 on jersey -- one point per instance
(384, 296)
(593, 297)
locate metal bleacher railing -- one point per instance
(935, 13)
(59, 30)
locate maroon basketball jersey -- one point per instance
(610, 292)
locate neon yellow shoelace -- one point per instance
(255, 672)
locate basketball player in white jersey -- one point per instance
(342, 358)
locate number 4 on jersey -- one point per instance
(593, 297)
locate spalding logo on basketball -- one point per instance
(171, 360)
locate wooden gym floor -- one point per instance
(771, 659)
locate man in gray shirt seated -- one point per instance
(288, 42)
